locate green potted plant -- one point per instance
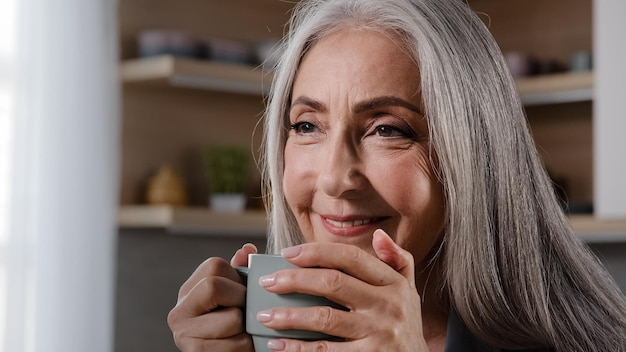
(227, 169)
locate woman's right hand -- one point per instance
(208, 315)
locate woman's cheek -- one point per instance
(297, 175)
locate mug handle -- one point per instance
(243, 272)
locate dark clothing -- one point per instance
(460, 339)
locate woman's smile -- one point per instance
(350, 226)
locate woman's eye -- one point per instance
(303, 127)
(387, 131)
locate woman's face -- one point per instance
(357, 156)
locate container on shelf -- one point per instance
(227, 202)
(156, 42)
(166, 187)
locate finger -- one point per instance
(287, 345)
(241, 256)
(238, 343)
(218, 324)
(393, 255)
(213, 266)
(371, 308)
(332, 284)
(344, 257)
(209, 294)
(324, 319)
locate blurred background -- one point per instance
(129, 132)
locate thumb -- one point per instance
(393, 255)
(241, 256)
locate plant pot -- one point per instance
(227, 202)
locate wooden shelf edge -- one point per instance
(237, 78)
(198, 74)
(190, 221)
(556, 88)
(139, 216)
(594, 230)
(146, 69)
(202, 221)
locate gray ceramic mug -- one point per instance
(258, 299)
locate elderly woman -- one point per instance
(398, 160)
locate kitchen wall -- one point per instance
(152, 265)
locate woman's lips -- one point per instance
(350, 227)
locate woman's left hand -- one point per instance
(380, 293)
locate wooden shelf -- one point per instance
(198, 220)
(234, 78)
(192, 73)
(556, 88)
(253, 223)
(594, 230)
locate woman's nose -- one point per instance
(340, 171)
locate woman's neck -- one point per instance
(435, 326)
(434, 306)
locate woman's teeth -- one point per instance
(349, 223)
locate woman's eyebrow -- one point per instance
(384, 101)
(313, 104)
(359, 107)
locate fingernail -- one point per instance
(385, 234)
(267, 280)
(276, 345)
(264, 315)
(250, 246)
(291, 252)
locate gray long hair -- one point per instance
(514, 270)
